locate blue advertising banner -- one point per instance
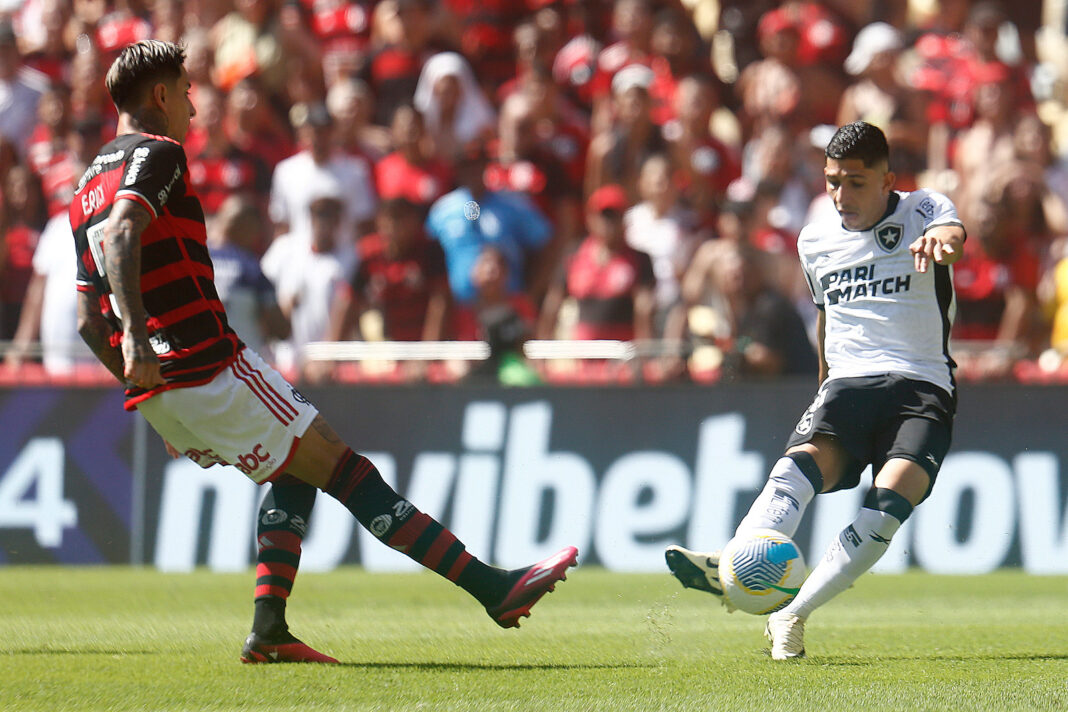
(618, 472)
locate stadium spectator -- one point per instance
(575, 64)
(704, 165)
(560, 127)
(21, 89)
(248, 42)
(676, 53)
(168, 20)
(49, 311)
(1056, 300)
(411, 171)
(483, 32)
(351, 104)
(989, 141)
(453, 105)
(403, 38)
(612, 283)
(757, 330)
(58, 179)
(45, 41)
(537, 42)
(252, 125)
(503, 318)
(21, 220)
(616, 155)
(235, 242)
(87, 93)
(471, 217)
(342, 29)
(770, 163)
(308, 275)
(200, 56)
(879, 97)
(997, 284)
(121, 24)
(401, 276)
(660, 227)
(523, 165)
(770, 89)
(217, 168)
(632, 30)
(49, 137)
(953, 56)
(320, 161)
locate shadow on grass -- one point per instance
(461, 667)
(934, 657)
(74, 651)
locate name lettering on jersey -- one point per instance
(92, 200)
(889, 236)
(97, 167)
(138, 160)
(860, 282)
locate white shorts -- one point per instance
(248, 416)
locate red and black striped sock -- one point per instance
(357, 484)
(280, 529)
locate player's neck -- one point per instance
(148, 121)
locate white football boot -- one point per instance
(786, 632)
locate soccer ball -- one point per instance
(761, 571)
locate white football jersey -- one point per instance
(882, 315)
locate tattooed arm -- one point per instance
(122, 263)
(95, 331)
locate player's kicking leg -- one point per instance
(280, 528)
(506, 595)
(793, 482)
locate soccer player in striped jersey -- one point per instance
(149, 310)
(880, 274)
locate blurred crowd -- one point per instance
(508, 170)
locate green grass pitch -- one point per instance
(126, 639)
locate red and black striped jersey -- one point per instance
(187, 324)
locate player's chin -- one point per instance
(851, 221)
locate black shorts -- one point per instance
(877, 418)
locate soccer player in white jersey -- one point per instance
(880, 275)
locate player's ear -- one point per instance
(888, 181)
(159, 95)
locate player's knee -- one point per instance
(809, 468)
(887, 500)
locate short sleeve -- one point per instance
(150, 173)
(937, 210)
(533, 229)
(808, 269)
(646, 275)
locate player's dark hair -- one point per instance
(141, 65)
(859, 140)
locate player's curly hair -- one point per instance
(859, 140)
(139, 66)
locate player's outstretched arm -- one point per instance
(122, 263)
(944, 244)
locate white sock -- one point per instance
(856, 550)
(781, 504)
